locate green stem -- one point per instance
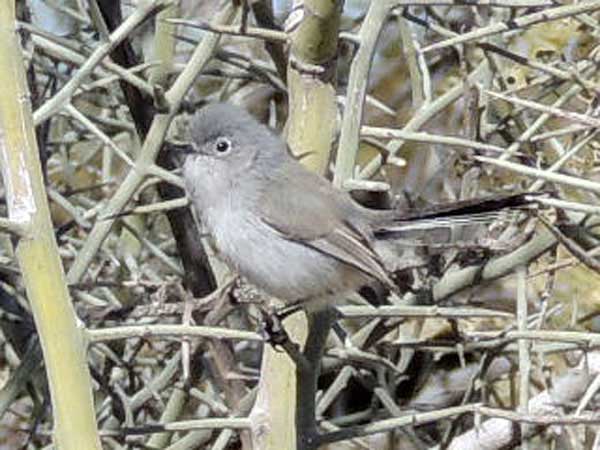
(61, 335)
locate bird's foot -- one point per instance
(274, 331)
(277, 336)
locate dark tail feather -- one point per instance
(464, 212)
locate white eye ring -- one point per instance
(222, 145)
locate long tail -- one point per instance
(464, 212)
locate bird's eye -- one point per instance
(222, 145)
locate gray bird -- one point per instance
(284, 228)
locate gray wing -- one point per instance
(322, 218)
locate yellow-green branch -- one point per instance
(60, 332)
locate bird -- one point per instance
(285, 229)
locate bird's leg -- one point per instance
(273, 324)
(341, 334)
(273, 328)
(288, 310)
(277, 336)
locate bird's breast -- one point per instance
(284, 268)
(237, 234)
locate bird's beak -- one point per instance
(179, 151)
